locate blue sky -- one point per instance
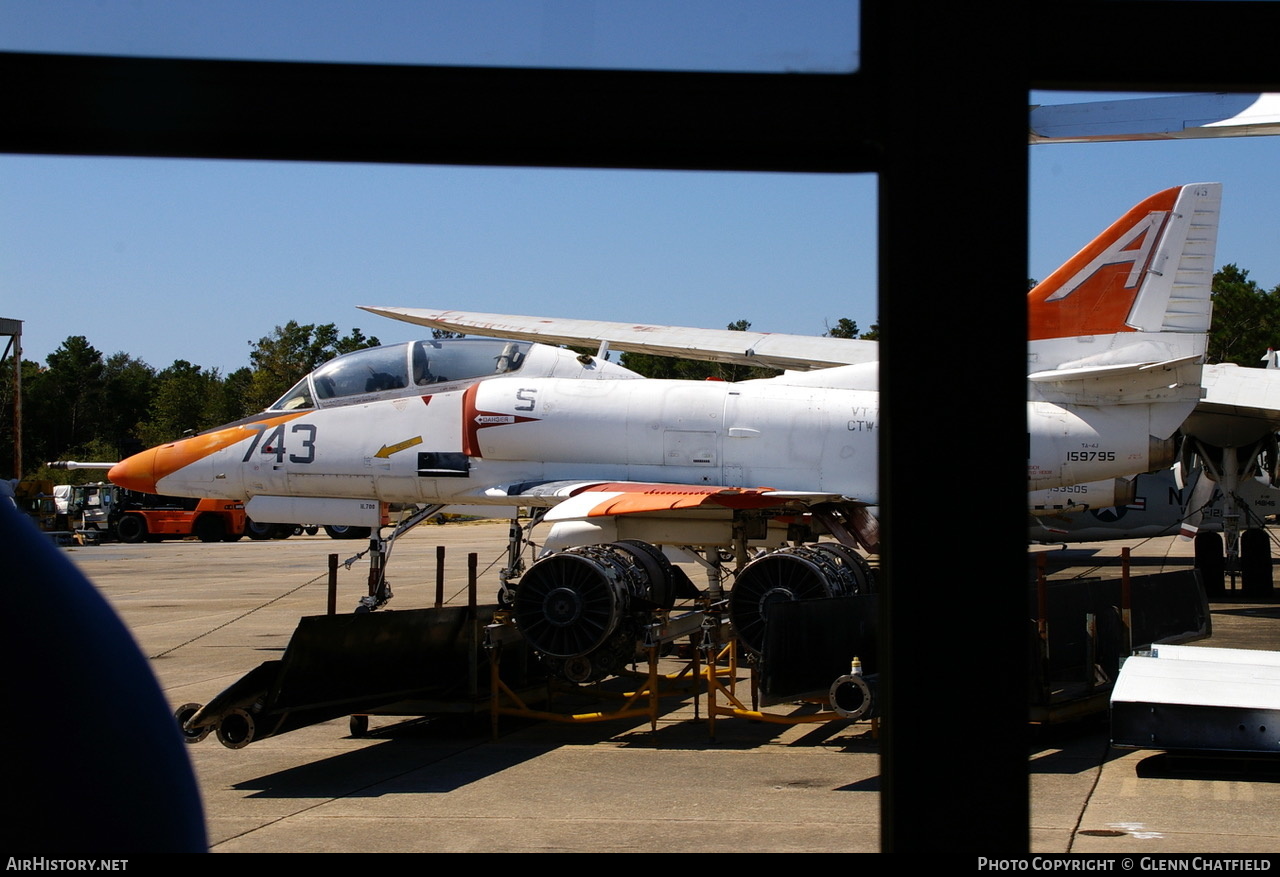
(169, 259)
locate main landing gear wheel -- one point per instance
(1211, 563)
(339, 531)
(1255, 564)
(257, 531)
(359, 726)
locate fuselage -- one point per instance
(480, 443)
(478, 421)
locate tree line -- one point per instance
(83, 405)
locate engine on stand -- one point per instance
(580, 615)
(802, 572)
(586, 610)
(583, 609)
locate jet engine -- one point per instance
(804, 572)
(583, 609)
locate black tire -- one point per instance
(131, 529)
(281, 531)
(1255, 564)
(341, 531)
(257, 531)
(311, 531)
(1211, 563)
(209, 528)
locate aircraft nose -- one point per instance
(136, 473)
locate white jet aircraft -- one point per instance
(622, 463)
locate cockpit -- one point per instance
(412, 369)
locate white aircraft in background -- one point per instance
(1221, 493)
(621, 463)
(1180, 117)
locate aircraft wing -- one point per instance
(794, 352)
(1239, 405)
(1184, 117)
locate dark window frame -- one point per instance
(939, 104)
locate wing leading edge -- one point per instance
(794, 352)
(1184, 117)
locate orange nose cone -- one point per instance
(136, 473)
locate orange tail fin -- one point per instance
(1150, 271)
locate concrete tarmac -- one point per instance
(206, 614)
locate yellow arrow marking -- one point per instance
(388, 450)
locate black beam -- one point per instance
(1169, 46)
(952, 275)
(432, 115)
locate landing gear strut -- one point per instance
(379, 551)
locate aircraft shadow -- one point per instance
(417, 755)
(444, 754)
(1236, 768)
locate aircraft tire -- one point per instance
(1255, 564)
(1211, 563)
(209, 528)
(339, 531)
(131, 529)
(257, 531)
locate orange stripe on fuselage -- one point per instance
(1101, 303)
(142, 471)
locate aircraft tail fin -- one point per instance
(1139, 292)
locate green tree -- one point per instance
(187, 399)
(235, 392)
(30, 373)
(94, 450)
(1246, 318)
(282, 358)
(128, 387)
(679, 368)
(844, 328)
(847, 328)
(63, 402)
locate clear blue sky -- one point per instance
(169, 259)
